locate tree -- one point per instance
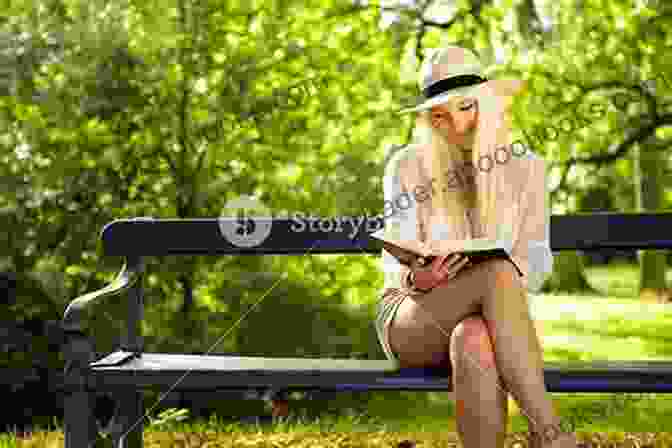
(648, 180)
(631, 114)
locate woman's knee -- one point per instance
(415, 338)
(471, 337)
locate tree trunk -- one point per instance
(186, 310)
(568, 274)
(648, 169)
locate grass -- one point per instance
(352, 432)
(617, 327)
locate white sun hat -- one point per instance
(446, 73)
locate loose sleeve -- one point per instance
(533, 249)
(399, 215)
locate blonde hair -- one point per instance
(490, 190)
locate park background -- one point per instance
(122, 108)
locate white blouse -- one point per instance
(532, 252)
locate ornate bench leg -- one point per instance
(128, 420)
(80, 425)
(79, 420)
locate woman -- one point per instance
(474, 319)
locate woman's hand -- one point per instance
(442, 268)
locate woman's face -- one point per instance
(456, 120)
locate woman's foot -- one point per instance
(552, 436)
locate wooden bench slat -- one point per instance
(158, 237)
(193, 372)
(123, 360)
(167, 361)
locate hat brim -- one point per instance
(441, 99)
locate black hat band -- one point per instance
(453, 82)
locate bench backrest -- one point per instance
(160, 237)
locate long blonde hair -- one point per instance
(491, 192)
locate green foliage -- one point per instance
(119, 109)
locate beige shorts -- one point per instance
(387, 308)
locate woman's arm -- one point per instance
(405, 219)
(533, 249)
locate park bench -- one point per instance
(128, 371)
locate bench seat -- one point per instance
(160, 371)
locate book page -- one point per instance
(435, 247)
(405, 245)
(472, 245)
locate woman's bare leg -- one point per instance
(480, 403)
(492, 288)
(521, 363)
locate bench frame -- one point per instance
(135, 238)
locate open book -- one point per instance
(477, 249)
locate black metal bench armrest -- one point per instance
(128, 276)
